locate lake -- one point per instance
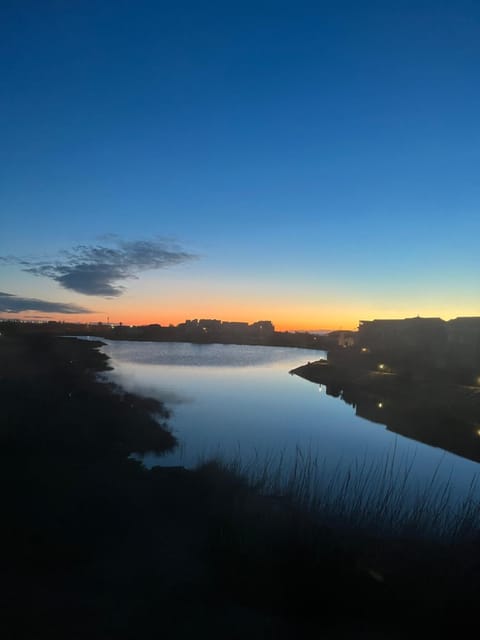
(235, 400)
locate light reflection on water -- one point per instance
(240, 400)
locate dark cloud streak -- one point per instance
(98, 270)
(10, 303)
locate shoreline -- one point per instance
(100, 547)
(301, 340)
(437, 412)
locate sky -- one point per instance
(309, 163)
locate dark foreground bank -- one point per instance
(95, 546)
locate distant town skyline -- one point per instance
(316, 165)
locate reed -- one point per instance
(378, 497)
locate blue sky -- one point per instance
(320, 159)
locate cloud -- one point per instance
(98, 270)
(10, 303)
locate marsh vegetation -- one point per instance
(95, 544)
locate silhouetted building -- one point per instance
(264, 325)
(425, 341)
(205, 323)
(235, 326)
(464, 331)
(344, 339)
(464, 340)
(409, 333)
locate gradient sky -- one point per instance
(312, 163)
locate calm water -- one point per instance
(241, 400)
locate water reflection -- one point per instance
(440, 415)
(248, 405)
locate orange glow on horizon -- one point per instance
(290, 319)
(139, 317)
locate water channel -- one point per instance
(241, 401)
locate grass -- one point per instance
(376, 497)
(353, 551)
(95, 545)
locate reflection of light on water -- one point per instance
(224, 397)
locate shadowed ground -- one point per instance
(94, 545)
